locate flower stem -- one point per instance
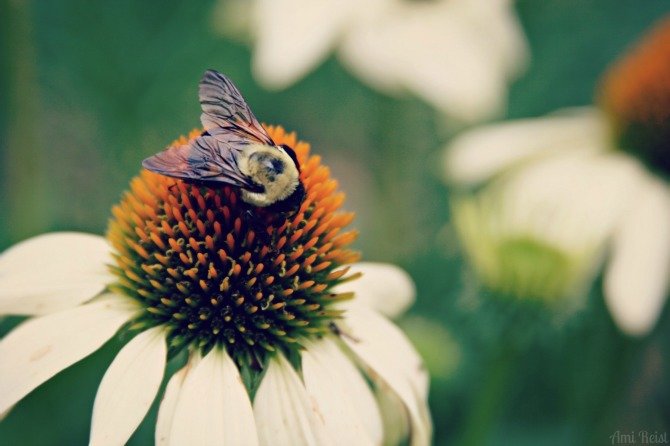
(488, 400)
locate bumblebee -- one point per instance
(234, 149)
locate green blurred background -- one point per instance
(89, 89)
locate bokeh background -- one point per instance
(89, 89)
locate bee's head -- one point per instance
(289, 151)
(276, 170)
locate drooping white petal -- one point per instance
(285, 413)
(388, 356)
(343, 397)
(167, 408)
(128, 388)
(383, 287)
(572, 201)
(636, 280)
(51, 272)
(39, 348)
(169, 402)
(394, 415)
(213, 406)
(479, 154)
(294, 36)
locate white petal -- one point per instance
(128, 388)
(344, 398)
(213, 406)
(504, 36)
(394, 416)
(477, 155)
(383, 287)
(450, 66)
(636, 281)
(51, 272)
(369, 52)
(169, 404)
(294, 36)
(388, 356)
(39, 348)
(285, 413)
(572, 201)
(455, 56)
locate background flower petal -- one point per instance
(504, 34)
(636, 280)
(213, 407)
(128, 388)
(479, 154)
(285, 413)
(573, 201)
(294, 36)
(455, 55)
(51, 272)
(39, 348)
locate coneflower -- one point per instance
(577, 188)
(263, 319)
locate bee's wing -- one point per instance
(224, 110)
(205, 159)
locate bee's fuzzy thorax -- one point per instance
(271, 168)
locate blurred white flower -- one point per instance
(457, 55)
(557, 182)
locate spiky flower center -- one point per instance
(635, 92)
(215, 273)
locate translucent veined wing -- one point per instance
(224, 110)
(206, 159)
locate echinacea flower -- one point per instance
(564, 183)
(457, 55)
(557, 182)
(541, 232)
(276, 342)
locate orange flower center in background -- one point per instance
(635, 92)
(212, 274)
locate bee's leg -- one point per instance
(337, 331)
